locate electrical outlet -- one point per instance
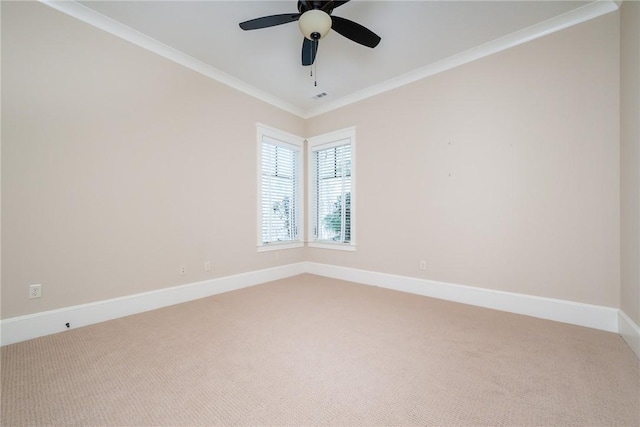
(207, 266)
(182, 269)
(423, 265)
(35, 291)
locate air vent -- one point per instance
(320, 95)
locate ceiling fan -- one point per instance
(315, 21)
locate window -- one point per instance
(331, 190)
(280, 189)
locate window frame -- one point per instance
(318, 143)
(295, 143)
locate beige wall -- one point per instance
(630, 158)
(118, 166)
(503, 173)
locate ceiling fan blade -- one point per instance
(269, 21)
(354, 31)
(309, 50)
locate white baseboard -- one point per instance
(629, 331)
(35, 325)
(592, 316)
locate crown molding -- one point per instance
(98, 20)
(560, 22)
(590, 11)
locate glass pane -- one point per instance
(333, 191)
(279, 202)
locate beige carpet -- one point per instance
(310, 350)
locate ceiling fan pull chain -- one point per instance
(315, 80)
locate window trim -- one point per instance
(286, 140)
(320, 142)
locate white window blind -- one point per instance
(332, 192)
(280, 198)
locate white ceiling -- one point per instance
(419, 38)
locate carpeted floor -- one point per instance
(311, 350)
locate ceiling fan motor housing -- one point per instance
(326, 6)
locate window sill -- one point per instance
(279, 246)
(333, 246)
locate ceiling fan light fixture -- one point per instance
(314, 24)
